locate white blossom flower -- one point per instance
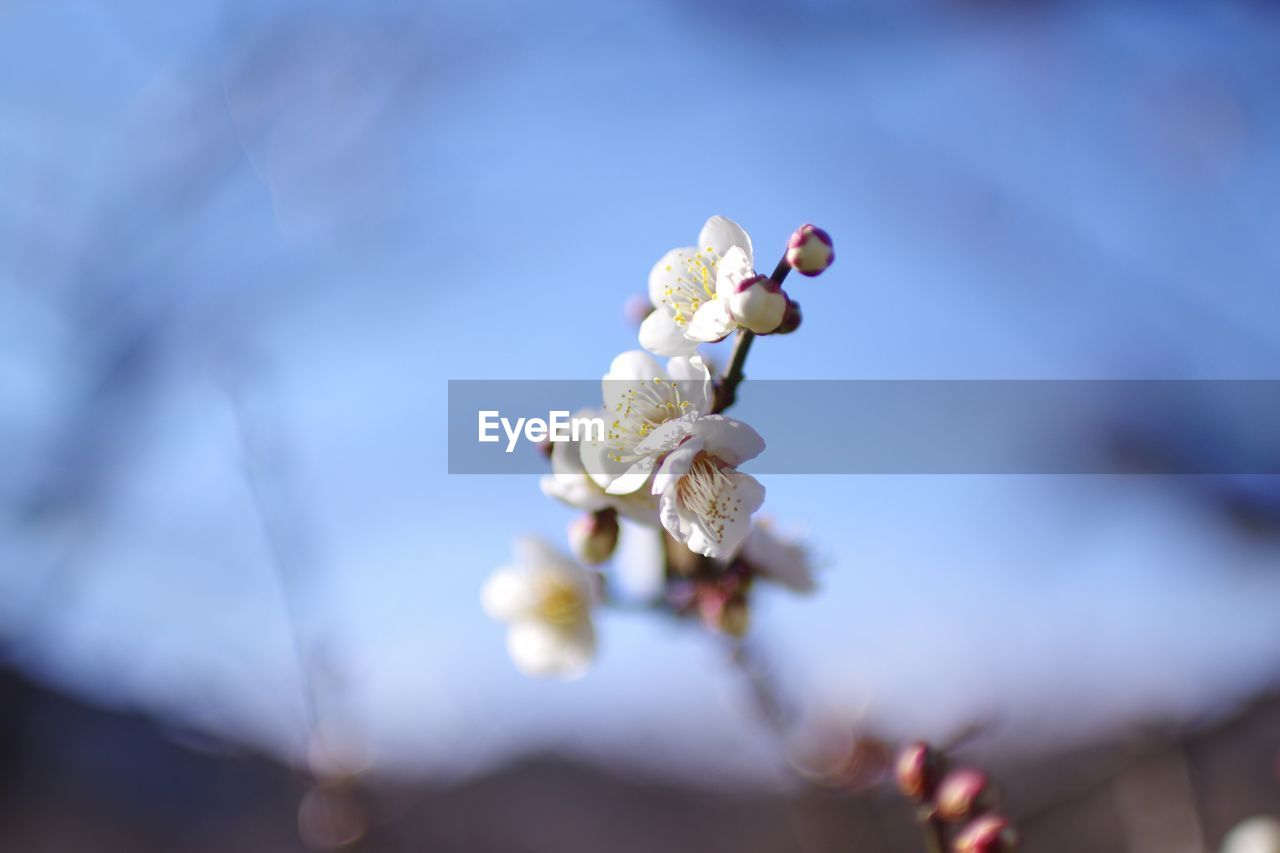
(705, 503)
(546, 599)
(1255, 835)
(781, 559)
(690, 289)
(570, 483)
(640, 396)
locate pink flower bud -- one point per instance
(961, 793)
(987, 834)
(916, 771)
(810, 251)
(759, 304)
(593, 537)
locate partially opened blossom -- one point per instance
(690, 289)
(640, 397)
(570, 483)
(705, 502)
(546, 599)
(778, 558)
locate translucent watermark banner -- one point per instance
(1203, 427)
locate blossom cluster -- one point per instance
(669, 460)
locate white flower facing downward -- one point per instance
(640, 396)
(690, 289)
(546, 599)
(704, 502)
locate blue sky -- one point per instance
(326, 211)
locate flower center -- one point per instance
(695, 284)
(643, 407)
(709, 494)
(560, 602)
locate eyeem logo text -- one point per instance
(557, 427)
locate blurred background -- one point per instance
(243, 246)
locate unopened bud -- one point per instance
(961, 793)
(790, 320)
(916, 771)
(987, 834)
(810, 251)
(593, 537)
(759, 304)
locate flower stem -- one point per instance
(935, 840)
(727, 390)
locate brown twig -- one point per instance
(935, 838)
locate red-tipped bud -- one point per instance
(593, 537)
(759, 304)
(961, 793)
(987, 834)
(810, 251)
(790, 319)
(916, 771)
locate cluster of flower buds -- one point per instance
(961, 799)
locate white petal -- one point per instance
(734, 267)
(676, 465)
(555, 651)
(783, 561)
(634, 365)
(733, 441)
(639, 506)
(720, 234)
(669, 514)
(722, 542)
(576, 490)
(693, 379)
(659, 334)
(711, 322)
(507, 595)
(665, 272)
(634, 478)
(629, 370)
(667, 436)
(601, 467)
